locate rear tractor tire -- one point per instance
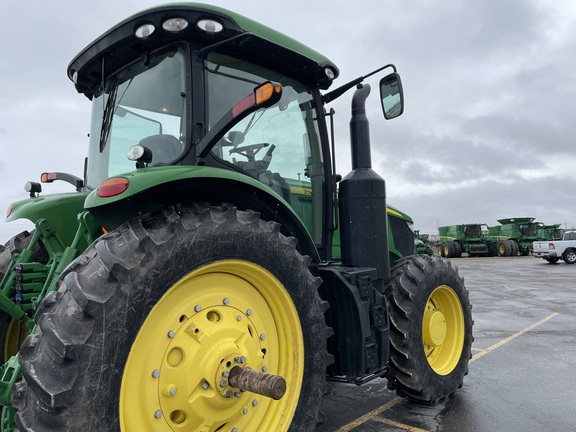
(430, 329)
(149, 322)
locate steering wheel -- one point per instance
(249, 151)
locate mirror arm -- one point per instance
(336, 93)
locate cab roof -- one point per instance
(257, 42)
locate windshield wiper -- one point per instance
(107, 118)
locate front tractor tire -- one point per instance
(430, 329)
(148, 323)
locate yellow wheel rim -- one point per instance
(229, 313)
(502, 248)
(446, 250)
(443, 330)
(11, 340)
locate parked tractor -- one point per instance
(189, 283)
(515, 235)
(422, 243)
(467, 238)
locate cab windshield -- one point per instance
(143, 103)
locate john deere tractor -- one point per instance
(189, 282)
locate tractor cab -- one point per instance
(179, 88)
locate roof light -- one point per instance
(144, 31)
(210, 26)
(112, 187)
(175, 25)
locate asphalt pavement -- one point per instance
(522, 374)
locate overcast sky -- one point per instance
(490, 90)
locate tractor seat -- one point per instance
(165, 148)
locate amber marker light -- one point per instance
(9, 211)
(264, 96)
(112, 187)
(265, 92)
(48, 177)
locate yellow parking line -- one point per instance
(373, 415)
(510, 338)
(398, 425)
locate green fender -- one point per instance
(60, 211)
(151, 189)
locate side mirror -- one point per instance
(392, 96)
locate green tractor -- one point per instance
(422, 243)
(189, 283)
(467, 238)
(515, 235)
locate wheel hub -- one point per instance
(194, 372)
(434, 328)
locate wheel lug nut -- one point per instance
(225, 301)
(249, 312)
(172, 391)
(238, 395)
(225, 374)
(245, 411)
(155, 373)
(205, 385)
(254, 402)
(262, 336)
(158, 414)
(239, 318)
(171, 334)
(264, 369)
(197, 308)
(229, 394)
(223, 383)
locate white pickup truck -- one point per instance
(554, 250)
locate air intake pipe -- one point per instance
(362, 201)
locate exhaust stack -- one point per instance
(362, 200)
